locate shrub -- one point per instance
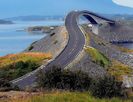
(15, 65)
(4, 85)
(56, 78)
(50, 78)
(63, 79)
(17, 69)
(118, 70)
(30, 48)
(106, 87)
(52, 34)
(56, 41)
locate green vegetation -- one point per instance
(87, 36)
(17, 69)
(67, 96)
(97, 56)
(107, 87)
(15, 65)
(52, 34)
(55, 78)
(63, 79)
(117, 69)
(114, 67)
(30, 48)
(56, 41)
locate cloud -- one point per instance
(128, 3)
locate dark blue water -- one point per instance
(126, 45)
(14, 39)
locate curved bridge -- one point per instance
(95, 18)
(71, 51)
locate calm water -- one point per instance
(126, 45)
(14, 39)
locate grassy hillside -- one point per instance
(118, 69)
(14, 58)
(97, 56)
(16, 65)
(65, 97)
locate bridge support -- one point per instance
(95, 28)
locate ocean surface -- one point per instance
(126, 45)
(14, 39)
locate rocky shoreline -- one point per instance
(48, 45)
(42, 29)
(53, 43)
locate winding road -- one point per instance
(75, 45)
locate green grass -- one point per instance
(118, 69)
(67, 97)
(115, 68)
(87, 36)
(97, 56)
(15, 65)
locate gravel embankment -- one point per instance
(88, 66)
(53, 43)
(118, 32)
(110, 50)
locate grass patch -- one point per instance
(119, 69)
(30, 48)
(97, 56)
(87, 35)
(67, 97)
(56, 78)
(56, 41)
(16, 65)
(87, 38)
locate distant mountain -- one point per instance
(35, 18)
(5, 22)
(44, 18)
(118, 16)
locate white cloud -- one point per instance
(128, 3)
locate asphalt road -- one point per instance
(74, 47)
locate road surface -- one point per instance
(75, 45)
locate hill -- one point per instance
(5, 22)
(56, 96)
(35, 18)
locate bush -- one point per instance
(56, 78)
(118, 69)
(107, 87)
(63, 79)
(30, 48)
(17, 69)
(50, 78)
(4, 85)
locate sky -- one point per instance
(13, 8)
(127, 3)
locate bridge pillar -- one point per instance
(95, 28)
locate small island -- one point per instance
(42, 29)
(5, 22)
